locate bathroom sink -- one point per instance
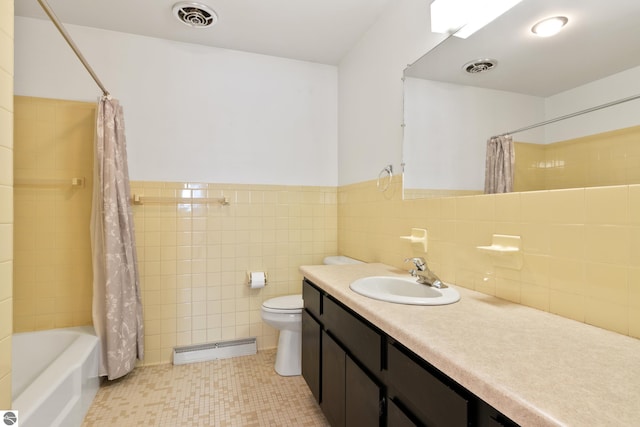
(403, 290)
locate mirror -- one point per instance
(449, 114)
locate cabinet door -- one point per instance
(363, 342)
(363, 397)
(332, 401)
(424, 392)
(311, 333)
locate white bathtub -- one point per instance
(54, 376)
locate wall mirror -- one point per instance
(450, 113)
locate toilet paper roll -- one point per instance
(257, 279)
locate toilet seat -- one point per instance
(286, 304)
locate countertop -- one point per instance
(537, 368)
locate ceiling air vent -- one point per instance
(195, 15)
(480, 66)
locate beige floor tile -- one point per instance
(242, 391)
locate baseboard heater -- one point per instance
(213, 351)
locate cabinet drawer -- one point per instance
(430, 399)
(359, 338)
(312, 298)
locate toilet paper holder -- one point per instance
(257, 279)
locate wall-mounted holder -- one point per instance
(386, 172)
(418, 239)
(256, 279)
(505, 251)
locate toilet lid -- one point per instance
(288, 302)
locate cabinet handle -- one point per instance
(381, 406)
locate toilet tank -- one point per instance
(340, 259)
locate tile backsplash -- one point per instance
(581, 247)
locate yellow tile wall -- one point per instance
(530, 167)
(194, 258)
(6, 199)
(609, 158)
(581, 247)
(52, 247)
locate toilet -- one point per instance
(285, 314)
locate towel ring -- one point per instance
(387, 171)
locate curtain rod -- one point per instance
(568, 116)
(73, 46)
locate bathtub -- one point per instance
(54, 376)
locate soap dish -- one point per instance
(505, 250)
(418, 239)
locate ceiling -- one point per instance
(600, 39)
(318, 31)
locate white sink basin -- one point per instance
(403, 290)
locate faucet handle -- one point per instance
(419, 262)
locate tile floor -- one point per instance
(242, 391)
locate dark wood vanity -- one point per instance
(360, 376)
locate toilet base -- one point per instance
(288, 356)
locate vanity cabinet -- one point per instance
(362, 377)
(342, 378)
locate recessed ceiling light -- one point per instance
(550, 26)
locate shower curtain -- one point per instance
(117, 306)
(500, 164)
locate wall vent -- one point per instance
(213, 351)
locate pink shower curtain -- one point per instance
(117, 306)
(499, 168)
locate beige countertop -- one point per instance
(537, 368)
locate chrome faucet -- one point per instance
(424, 274)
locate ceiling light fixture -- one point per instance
(550, 26)
(464, 17)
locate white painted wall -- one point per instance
(617, 86)
(370, 90)
(194, 113)
(447, 127)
